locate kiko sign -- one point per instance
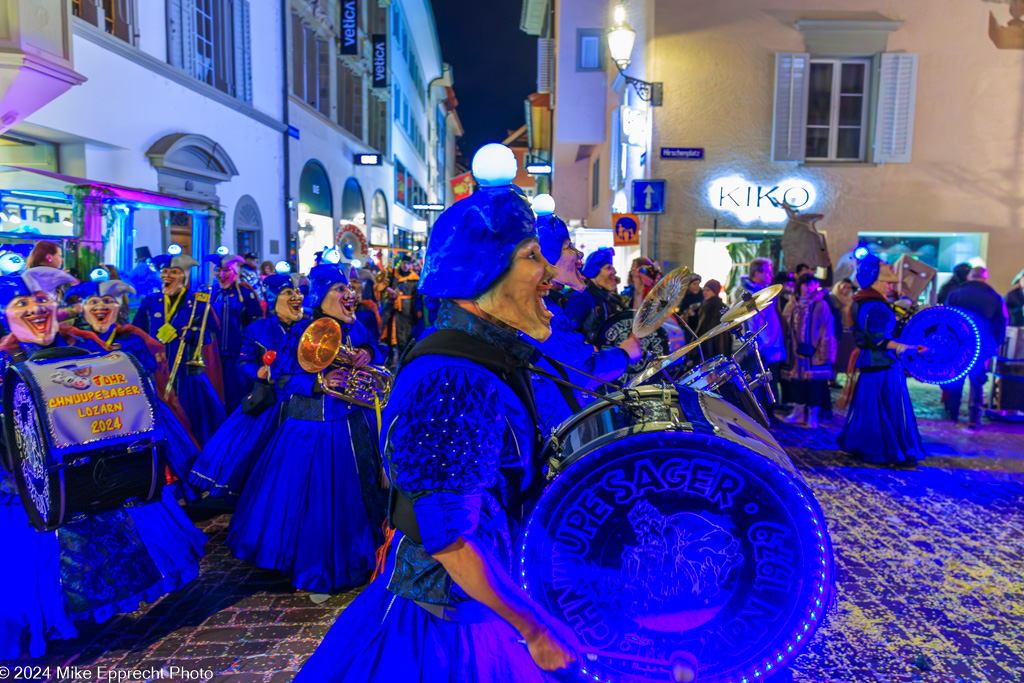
(750, 201)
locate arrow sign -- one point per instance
(648, 196)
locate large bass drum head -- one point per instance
(664, 545)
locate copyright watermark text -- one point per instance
(103, 673)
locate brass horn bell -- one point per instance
(322, 348)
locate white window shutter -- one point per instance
(789, 129)
(181, 41)
(242, 51)
(894, 120)
(615, 151)
(545, 65)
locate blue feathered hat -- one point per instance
(551, 230)
(472, 242)
(321, 279)
(39, 278)
(274, 285)
(597, 260)
(84, 290)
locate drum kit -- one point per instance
(674, 534)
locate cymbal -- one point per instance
(744, 310)
(658, 364)
(661, 302)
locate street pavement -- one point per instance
(930, 577)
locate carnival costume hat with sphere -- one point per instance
(472, 243)
(551, 230)
(26, 283)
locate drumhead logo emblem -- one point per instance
(30, 441)
(650, 546)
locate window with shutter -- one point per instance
(789, 129)
(616, 153)
(242, 65)
(837, 109)
(181, 34)
(545, 65)
(894, 121)
(595, 183)
(589, 49)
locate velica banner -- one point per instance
(348, 43)
(380, 60)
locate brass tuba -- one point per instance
(321, 348)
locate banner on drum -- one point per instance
(90, 399)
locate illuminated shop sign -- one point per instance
(750, 201)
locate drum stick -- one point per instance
(681, 671)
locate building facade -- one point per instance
(182, 132)
(862, 112)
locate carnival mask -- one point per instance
(606, 279)
(569, 265)
(101, 312)
(517, 298)
(33, 318)
(288, 306)
(173, 279)
(227, 276)
(339, 303)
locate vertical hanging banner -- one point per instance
(380, 60)
(348, 41)
(462, 186)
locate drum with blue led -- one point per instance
(951, 341)
(83, 435)
(673, 528)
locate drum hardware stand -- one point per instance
(690, 330)
(764, 377)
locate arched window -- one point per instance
(315, 189)
(352, 207)
(248, 227)
(379, 234)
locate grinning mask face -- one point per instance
(228, 276)
(339, 303)
(101, 312)
(289, 306)
(33, 318)
(173, 279)
(569, 265)
(606, 279)
(517, 298)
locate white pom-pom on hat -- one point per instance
(494, 165)
(543, 205)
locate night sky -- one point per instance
(494, 66)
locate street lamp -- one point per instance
(620, 44)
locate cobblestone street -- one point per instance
(930, 566)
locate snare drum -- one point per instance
(724, 377)
(676, 526)
(83, 436)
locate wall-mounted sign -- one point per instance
(428, 207)
(368, 159)
(626, 228)
(380, 60)
(648, 196)
(348, 41)
(750, 201)
(539, 169)
(687, 153)
(634, 125)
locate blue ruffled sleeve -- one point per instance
(250, 357)
(444, 450)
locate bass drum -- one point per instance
(662, 342)
(676, 528)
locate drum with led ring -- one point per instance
(673, 527)
(952, 342)
(83, 435)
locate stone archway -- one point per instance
(191, 166)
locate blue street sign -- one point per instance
(685, 153)
(648, 196)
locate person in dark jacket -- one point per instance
(1015, 301)
(960, 273)
(988, 309)
(709, 315)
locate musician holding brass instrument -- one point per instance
(314, 504)
(180, 320)
(236, 306)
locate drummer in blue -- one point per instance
(236, 306)
(590, 308)
(169, 314)
(567, 355)
(227, 459)
(105, 564)
(461, 441)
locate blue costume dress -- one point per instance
(181, 451)
(95, 568)
(235, 308)
(312, 507)
(227, 459)
(572, 352)
(460, 443)
(880, 425)
(198, 398)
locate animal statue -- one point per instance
(801, 241)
